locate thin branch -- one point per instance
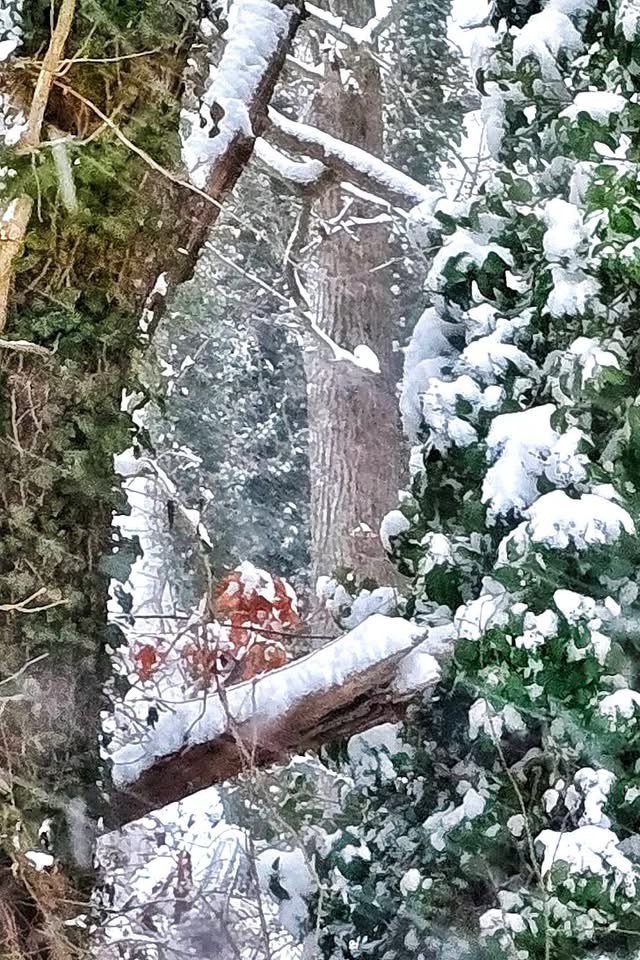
(24, 346)
(50, 67)
(22, 606)
(139, 152)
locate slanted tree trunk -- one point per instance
(82, 274)
(354, 432)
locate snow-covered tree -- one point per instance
(99, 220)
(503, 819)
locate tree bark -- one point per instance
(354, 431)
(80, 285)
(366, 677)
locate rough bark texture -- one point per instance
(367, 697)
(355, 437)
(80, 287)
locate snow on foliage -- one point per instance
(520, 523)
(558, 521)
(598, 105)
(545, 37)
(628, 18)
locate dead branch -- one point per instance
(15, 219)
(299, 707)
(25, 346)
(50, 67)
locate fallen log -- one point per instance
(366, 677)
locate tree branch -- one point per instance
(362, 679)
(348, 162)
(15, 218)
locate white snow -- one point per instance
(410, 881)
(545, 36)
(518, 444)
(469, 14)
(483, 718)
(39, 859)
(420, 669)
(402, 187)
(599, 104)
(628, 18)
(491, 608)
(574, 606)
(576, 609)
(537, 629)
(437, 551)
(572, 292)
(370, 753)
(350, 611)
(559, 521)
(10, 32)
(619, 706)
(565, 230)
(495, 921)
(393, 524)
(593, 357)
(595, 787)
(516, 824)
(589, 850)
(572, 8)
(524, 447)
(490, 358)
(302, 172)
(469, 250)
(295, 876)
(256, 29)
(439, 824)
(188, 721)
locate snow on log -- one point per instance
(363, 678)
(348, 162)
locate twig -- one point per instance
(24, 668)
(46, 78)
(24, 346)
(124, 139)
(15, 219)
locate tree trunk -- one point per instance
(86, 274)
(354, 431)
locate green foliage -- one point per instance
(507, 824)
(79, 289)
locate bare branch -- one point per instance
(50, 67)
(15, 218)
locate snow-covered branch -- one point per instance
(348, 162)
(359, 680)
(301, 174)
(346, 32)
(232, 111)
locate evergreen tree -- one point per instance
(503, 820)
